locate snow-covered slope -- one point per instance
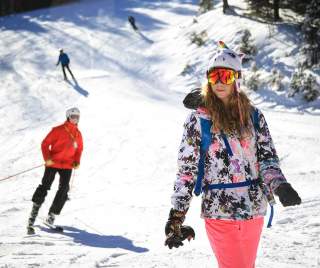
(129, 92)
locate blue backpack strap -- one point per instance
(255, 121)
(255, 118)
(206, 141)
(220, 186)
(271, 216)
(204, 146)
(226, 143)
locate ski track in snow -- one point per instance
(129, 92)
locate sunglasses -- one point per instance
(225, 76)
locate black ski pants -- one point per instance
(64, 71)
(62, 193)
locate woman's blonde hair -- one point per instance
(233, 118)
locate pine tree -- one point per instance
(199, 39)
(247, 47)
(296, 5)
(311, 89)
(259, 7)
(311, 33)
(15, 6)
(276, 80)
(186, 70)
(205, 5)
(253, 81)
(296, 83)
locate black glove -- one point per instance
(194, 99)
(175, 231)
(287, 195)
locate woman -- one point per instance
(240, 168)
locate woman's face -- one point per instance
(222, 91)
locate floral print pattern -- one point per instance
(252, 158)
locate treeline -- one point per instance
(262, 8)
(303, 80)
(266, 9)
(269, 12)
(14, 6)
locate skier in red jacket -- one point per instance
(61, 150)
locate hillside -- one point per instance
(129, 90)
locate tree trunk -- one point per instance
(276, 4)
(225, 5)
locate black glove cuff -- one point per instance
(176, 216)
(282, 188)
(287, 195)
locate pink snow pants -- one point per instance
(234, 243)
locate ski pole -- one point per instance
(24, 171)
(87, 225)
(72, 179)
(71, 184)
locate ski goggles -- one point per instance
(74, 116)
(225, 76)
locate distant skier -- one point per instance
(132, 21)
(64, 60)
(61, 150)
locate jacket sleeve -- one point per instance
(269, 164)
(46, 143)
(78, 153)
(188, 158)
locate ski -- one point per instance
(54, 227)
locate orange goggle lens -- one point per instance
(225, 76)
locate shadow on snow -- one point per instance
(78, 88)
(98, 240)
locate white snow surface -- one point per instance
(130, 94)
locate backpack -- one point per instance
(204, 146)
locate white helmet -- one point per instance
(72, 111)
(226, 58)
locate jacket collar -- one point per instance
(70, 126)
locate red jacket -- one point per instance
(63, 145)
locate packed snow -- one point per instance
(130, 90)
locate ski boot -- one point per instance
(50, 219)
(32, 218)
(30, 230)
(49, 222)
